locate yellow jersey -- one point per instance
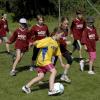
(48, 48)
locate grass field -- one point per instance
(83, 86)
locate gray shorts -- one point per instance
(5, 39)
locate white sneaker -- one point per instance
(91, 72)
(13, 72)
(53, 92)
(65, 78)
(31, 68)
(82, 65)
(26, 89)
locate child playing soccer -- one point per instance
(77, 27)
(48, 49)
(38, 32)
(20, 37)
(3, 31)
(63, 42)
(89, 39)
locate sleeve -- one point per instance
(31, 34)
(57, 52)
(7, 29)
(72, 26)
(96, 36)
(84, 37)
(13, 37)
(42, 43)
(48, 34)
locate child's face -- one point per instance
(64, 24)
(79, 16)
(90, 24)
(40, 21)
(5, 16)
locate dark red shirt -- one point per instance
(21, 38)
(63, 38)
(77, 28)
(89, 38)
(39, 32)
(3, 27)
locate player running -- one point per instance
(3, 31)
(21, 39)
(89, 39)
(77, 27)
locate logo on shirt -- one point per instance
(91, 36)
(79, 26)
(41, 33)
(21, 37)
(44, 51)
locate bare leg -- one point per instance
(35, 80)
(52, 78)
(7, 47)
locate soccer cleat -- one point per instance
(32, 68)
(13, 73)
(91, 72)
(65, 78)
(82, 65)
(53, 92)
(26, 89)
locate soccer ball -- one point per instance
(59, 87)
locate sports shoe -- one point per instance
(91, 72)
(26, 89)
(65, 78)
(13, 73)
(32, 68)
(82, 65)
(53, 92)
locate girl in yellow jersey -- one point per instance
(48, 48)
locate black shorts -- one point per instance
(76, 45)
(35, 53)
(66, 54)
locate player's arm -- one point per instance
(12, 38)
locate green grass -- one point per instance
(83, 86)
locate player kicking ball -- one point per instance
(48, 49)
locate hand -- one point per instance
(63, 65)
(85, 47)
(68, 42)
(30, 45)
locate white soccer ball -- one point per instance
(59, 87)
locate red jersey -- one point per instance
(63, 38)
(39, 32)
(21, 36)
(89, 38)
(3, 27)
(77, 28)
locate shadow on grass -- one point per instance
(23, 68)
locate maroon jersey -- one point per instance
(63, 38)
(3, 27)
(77, 28)
(89, 38)
(39, 32)
(21, 36)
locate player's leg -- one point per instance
(1, 40)
(35, 53)
(26, 88)
(52, 91)
(7, 45)
(79, 47)
(18, 57)
(69, 60)
(92, 57)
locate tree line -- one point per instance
(30, 8)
